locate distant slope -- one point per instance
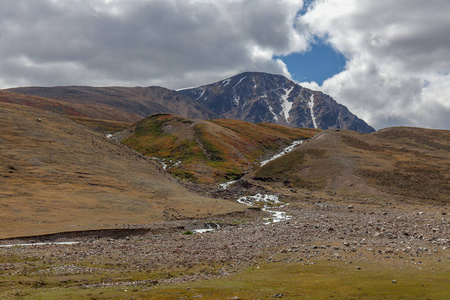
(56, 175)
(102, 126)
(260, 97)
(142, 101)
(412, 163)
(209, 151)
(69, 109)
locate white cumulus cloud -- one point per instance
(173, 43)
(398, 58)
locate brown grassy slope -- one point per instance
(142, 101)
(411, 162)
(102, 126)
(70, 109)
(209, 151)
(58, 176)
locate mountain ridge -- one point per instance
(258, 97)
(254, 97)
(140, 101)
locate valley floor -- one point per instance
(345, 250)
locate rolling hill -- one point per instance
(208, 151)
(409, 163)
(57, 175)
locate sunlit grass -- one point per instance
(317, 280)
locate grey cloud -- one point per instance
(142, 42)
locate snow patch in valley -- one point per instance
(259, 198)
(267, 202)
(283, 152)
(164, 164)
(311, 106)
(111, 137)
(210, 227)
(225, 185)
(287, 106)
(203, 230)
(39, 244)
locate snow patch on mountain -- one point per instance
(239, 82)
(275, 117)
(287, 106)
(225, 82)
(311, 106)
(203, 92)
(187, 88)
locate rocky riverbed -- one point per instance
(353, 233)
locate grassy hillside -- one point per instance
(56, 175)
(140, 101)
(209, 151)
(102, 126)
(408, 162)
(89, 110)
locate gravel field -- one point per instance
(316, 231)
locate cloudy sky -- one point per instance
(387, 61)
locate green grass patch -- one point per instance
(209, 151)
(322, 280)
(209, 143)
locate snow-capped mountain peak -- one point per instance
(261, 97)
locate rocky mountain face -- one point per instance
(261, 97)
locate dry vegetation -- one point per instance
(135, 101)
(369, 212)
(209, 151)
(102, 126)
(409, 163)
(58, 176)
(86, 110)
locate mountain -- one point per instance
(140, 101)
(208, 151)
(261, 97)
(405, 162)
(252, 97)
(56, 175)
